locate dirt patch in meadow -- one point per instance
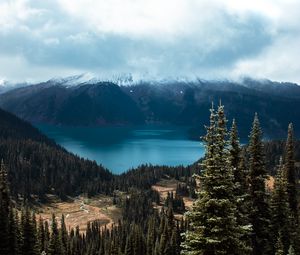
(80, 210)
(170, 185)
(165, 186)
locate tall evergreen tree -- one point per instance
(289, 171)
(240, 185)
(29, 238)
(291, 183)
(280, 211)
(55, 245)
(151, 236)
(235, 156)
(279, 248)
(4, 210)
(13, 232)
(260, 209)
(63, 235)
(41, 235)
(213, 226)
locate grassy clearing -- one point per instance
(169, 185)
(81, 210)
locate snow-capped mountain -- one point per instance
(76, 100)
(123, 79)
(89, 78)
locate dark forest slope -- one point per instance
(37, 166)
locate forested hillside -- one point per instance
(38, 166)
(234, 211)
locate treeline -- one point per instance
(144, 176)
(37, 169)
(13, 127)
(274, 150)
(235, 212)
(142, 230)
(37, 166)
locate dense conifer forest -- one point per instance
(234, 211)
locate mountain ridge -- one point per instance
(171, 102)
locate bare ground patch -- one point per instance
(169, 185)
(80, 210)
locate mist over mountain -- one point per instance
(84, 101)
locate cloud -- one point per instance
(208, 38)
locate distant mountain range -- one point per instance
(83, 100)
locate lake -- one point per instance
(122, 148)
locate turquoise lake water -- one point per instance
(122, 148)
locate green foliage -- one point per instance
(214, 229)
(4, 210)
(279, 249)
(260, 210)
(289, 171)
(55, 244)
(281, 215)
(229, 197)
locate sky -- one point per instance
(208, 39)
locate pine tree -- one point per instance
(280, 210)
(151, 236)
(63, 235)
(55, 245)
(47, 236)
(4, 210)
(235, 157)
(174, 243)
(289, 171)
(240, 185)
(18, 234)
(41, 235)
(279, 250)
(163, 244)
(128, 247)
(260, 210)
(13, 232)
(213, 226)
(29, 238)
(290, 175)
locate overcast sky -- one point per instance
(213, 39)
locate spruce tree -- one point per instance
(4, 210)
(47, 236)
(151, 236)
(55, 244)
(129, 246)
(213, 227)
(289, 171)
(279, 249)
(13, 232)
(290, 175)
(164, 244)
(41, 235)
(63, 235)
(235, 156)
(281, 224)
(174, 243)
(29, 238)
(260, 210)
